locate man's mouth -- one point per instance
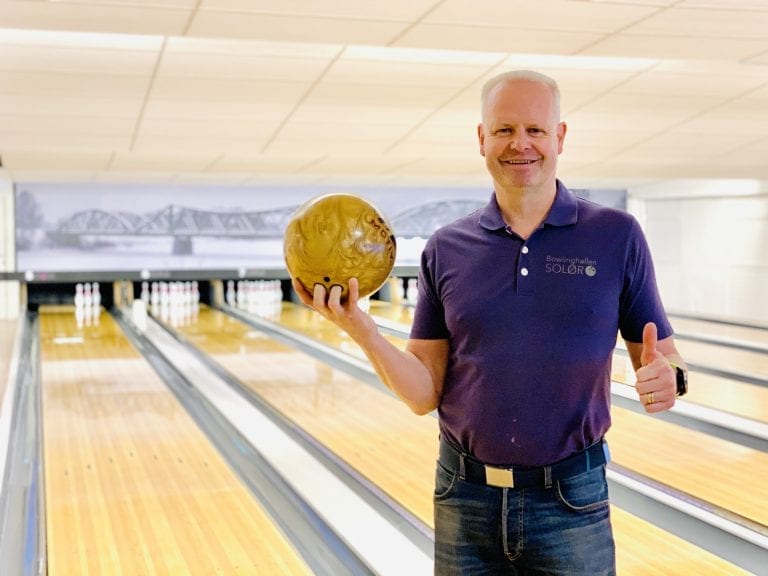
(518, 162)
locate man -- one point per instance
(518, 310)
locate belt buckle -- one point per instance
(500, 477)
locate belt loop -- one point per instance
(547, 477)
(462, 469)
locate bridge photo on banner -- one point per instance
(66, 227)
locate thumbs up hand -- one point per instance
(656, 385)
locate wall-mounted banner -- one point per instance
(90, 227)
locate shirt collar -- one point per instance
(564, 211)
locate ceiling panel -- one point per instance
(262, 61)
(156, 162)
(379, 165)
(49, 86)
(676, 47)
(203, 129)
(591, 145)
(293, 28)
(470, 169)
(640, 112)
(678, 146)
(94, 17)
(743, 116)
(165, 4)
(82, 61)
(51, 139)
(221, 93)
(376, 95)
(55, 159)
(449, 151)
(660, 83)
(350, 113)
(343, 145)
(546, 15)
(728, 4)
(723, 23)
(497, 38)
(404, 10)
(97, 125)
(43, 106)
(381, 134)
(262, 163)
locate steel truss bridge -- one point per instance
(183, 224)
(179, 222)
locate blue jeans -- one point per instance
(485, 530)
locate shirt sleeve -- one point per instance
(429, 317)
(640, 300)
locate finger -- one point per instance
(354, 291)
(650, 338)
(319, 297)
(334, 297)
(303, 294)
(659, 406)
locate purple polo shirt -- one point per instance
(532, 325)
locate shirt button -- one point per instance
(525, 250)
(524, 271)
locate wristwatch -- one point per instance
(681, 375)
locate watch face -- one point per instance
(682, 381)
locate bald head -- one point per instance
(525, 76)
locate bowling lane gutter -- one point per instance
(731, 536)
(731, 427)
(22, 503)
(315, 504)
(307, 531)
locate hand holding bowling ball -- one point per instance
(335, 237)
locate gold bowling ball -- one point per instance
(334, 237)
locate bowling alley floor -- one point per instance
(259, 442)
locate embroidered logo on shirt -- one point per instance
(570, 266)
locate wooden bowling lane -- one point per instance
(706, 467)
(381, 439)
(8, 330)
(132, 485)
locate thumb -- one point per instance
(650, 337)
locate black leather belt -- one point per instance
(521, 477)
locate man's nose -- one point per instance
(519, 141)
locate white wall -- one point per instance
(9, 290)
(710, 246)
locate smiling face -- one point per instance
(521, 136)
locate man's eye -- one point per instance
(535, 131)
(504, 131)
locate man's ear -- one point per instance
(562, 128)
(481, 138)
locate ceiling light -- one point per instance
(79, 39)
(418, 55)
(578, 62)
